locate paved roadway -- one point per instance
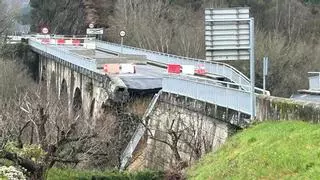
(147, 77)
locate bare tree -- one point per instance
(187, 135)
(158, 25)
(32, 120)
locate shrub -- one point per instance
(11, 173)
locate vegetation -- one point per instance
(37, 133)
(270, 150)
(69, 174)
(287, 30)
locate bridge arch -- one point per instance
(64, 93)
(92, 106)
(43, 75)
(53, 85)
(77, 100)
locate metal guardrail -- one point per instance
(210, 92)
(84, 62)
(137, 135)
(85, 37)
(218, 68)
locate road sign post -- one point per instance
(252, 70)
(229, 36)
(265, 72)
(122, 34)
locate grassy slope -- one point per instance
(73, 174)
(271, 150)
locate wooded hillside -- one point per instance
(287, 30)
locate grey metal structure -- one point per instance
(252, 70)
(314, 81)
(209, 91)
(227, 34)
(265, 71)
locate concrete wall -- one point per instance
(195, 120)
(276, 108)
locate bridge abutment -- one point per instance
(180, 129)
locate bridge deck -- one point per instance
(147, 77)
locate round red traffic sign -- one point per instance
(45, 30)
(122, 33)
(91, 25)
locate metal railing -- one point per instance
(60, 52)
(212, 67)
(137, 135)
(222, 94)
(28, 36)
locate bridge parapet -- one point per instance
(87, 63)
(215, 92)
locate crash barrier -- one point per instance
(186, 69)
(119, 68)
(86, 43)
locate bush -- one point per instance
(11, 173)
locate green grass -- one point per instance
(270, 150)
(72, 174)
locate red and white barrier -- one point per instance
(45, 41)
(127, 68)
(119, 68)
(200, 69)
(174, 68)
(67, 42)
(61, 41)
(111, 68)
(188, 69)
(76, 42)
